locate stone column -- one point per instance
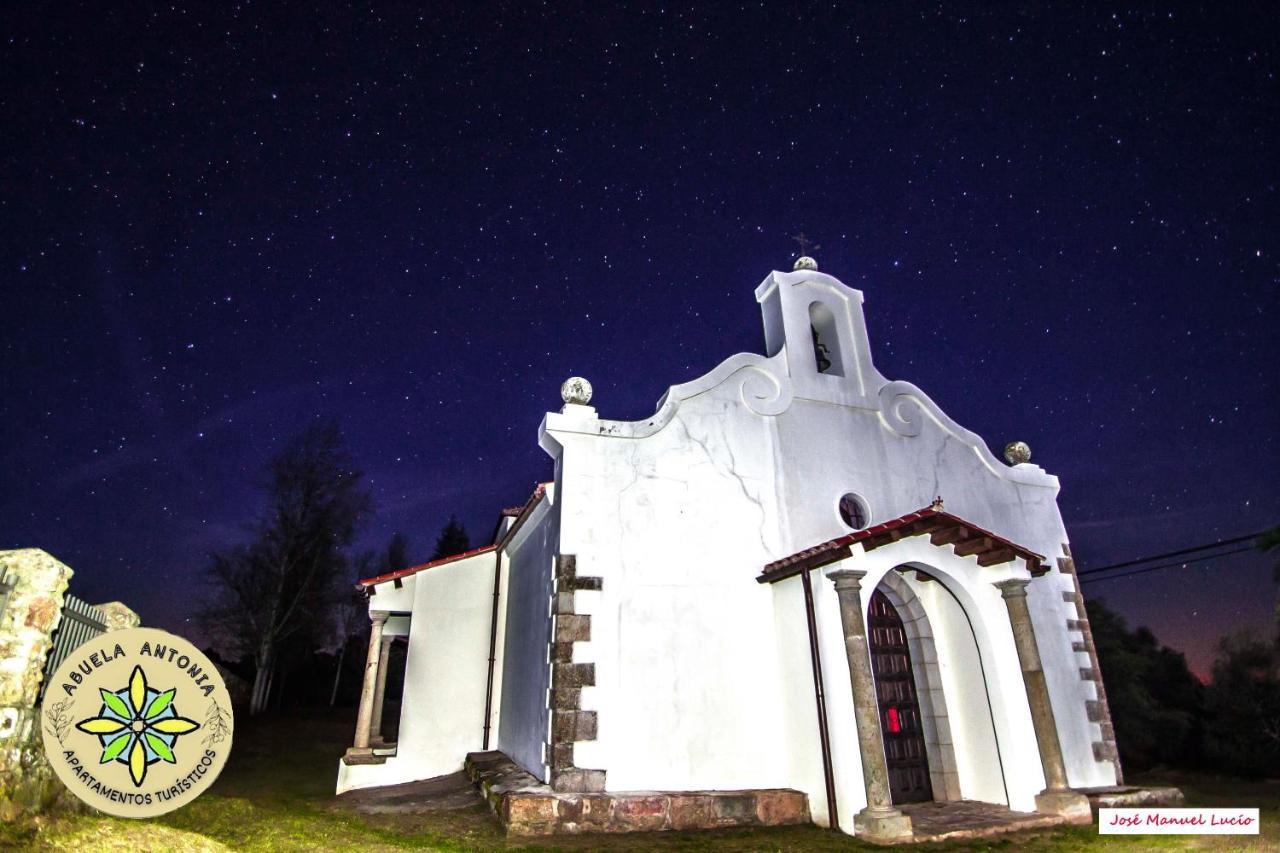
(384, 660)
(32, 586)
(1057, 797)
(118, 616)
(879, 820)
(361, 752)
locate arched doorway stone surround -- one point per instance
(939, 747)
(970, 586)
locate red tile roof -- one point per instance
(520, 512)
(413, 570)
(943, 529)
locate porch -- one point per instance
(967, 819)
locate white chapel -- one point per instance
(798, 591)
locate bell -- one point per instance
(820, 352)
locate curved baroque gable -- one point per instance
(767, 385)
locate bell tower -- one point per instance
(815, 323)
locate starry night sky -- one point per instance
(217, 224)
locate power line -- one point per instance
(1164, 565)
(1178, 553)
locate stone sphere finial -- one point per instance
(1017, 452)
(804, 262)
(576, 390)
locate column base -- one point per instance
(366, 755)
(1072, 805)
(890, 825)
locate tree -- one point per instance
(453, 540)
(279, 588)
(351, 617)
(352, 607)
(1156, 702)
(1268, 541)
(397, 553)
(1243, 704)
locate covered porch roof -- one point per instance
(520, 513)
(965, 538)
(364, 583)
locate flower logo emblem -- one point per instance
(137, 725)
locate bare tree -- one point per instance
(351, 608)
(351, 614)
(281, 585)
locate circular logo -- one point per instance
(137, 722)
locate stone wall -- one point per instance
(569, 723)
(32, 586)
(1097, 709)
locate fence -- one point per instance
(81, 622)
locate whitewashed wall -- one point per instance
(686, 697)
(391, 600)
(797, 724)
(678, 513)
(442, 713)
(524, 721)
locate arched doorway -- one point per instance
(900, 719)
(961, 743)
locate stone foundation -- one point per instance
(526, 806)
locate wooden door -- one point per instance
(899, 706)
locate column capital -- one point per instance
(1013, 587)
(847, 579)
(378, 617)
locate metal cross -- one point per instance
(805, 243)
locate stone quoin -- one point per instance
(685, 617)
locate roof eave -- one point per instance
(930, 520)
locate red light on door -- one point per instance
(894, 725)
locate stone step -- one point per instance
(968, 819)
(1133, 797)
(443, 793)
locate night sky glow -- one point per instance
(220, 222)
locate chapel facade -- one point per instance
(798, 590)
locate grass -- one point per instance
(276, 793)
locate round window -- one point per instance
(853, 510)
